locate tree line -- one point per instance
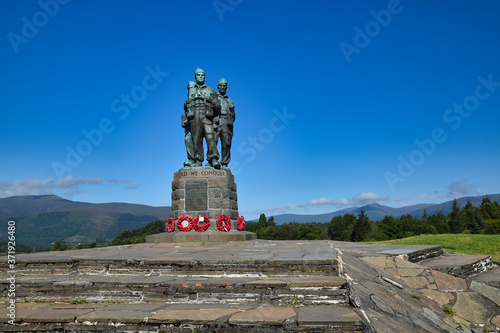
(484, 219)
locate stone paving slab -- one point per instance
(263, 316)
(117, 316)
(457, 259)
(47, 313)
(205, 316)
(445, 282)
(55, 316)
(194, 307)
(491, 276)
(140, 307)
(327, 315)
(473, 308)
(269, 283)
(22, 311)
(487, 291)
(324, 281)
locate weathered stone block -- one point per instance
(226, 204)
(232, 214)
(216, 213)
(216, 203)
(191, 236)
(214, 193)
(176, 213)
(178, 194)
(178, 204)
(234, 205)
(159, 238)
(177, 184)
(218, 183)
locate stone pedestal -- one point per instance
(209, 192)
(205, 191)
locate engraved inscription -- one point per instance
(196, 196)
(200, 173)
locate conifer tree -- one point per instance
(361, 227)
(457, 224)
(262, 221)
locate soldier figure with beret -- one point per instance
(223, 124)
(200, 109)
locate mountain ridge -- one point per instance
(45, 219)
(377, 212)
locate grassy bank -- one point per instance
(456, 243)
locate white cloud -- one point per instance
(29, 186)
(32, 186)
(361, 199)
(462, 188)
(368, 198)
(325, 202)
(71, 181)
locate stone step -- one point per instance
(459, 265)
(280, 265)
(242, 287)
(490, 277)
(175, 289)
(180, 318)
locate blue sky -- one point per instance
(338, 103)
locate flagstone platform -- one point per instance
(252, 286)
(213, 236)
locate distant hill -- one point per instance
(44, 219)
(445, 207)
(377, 212)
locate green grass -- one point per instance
(293, 302)
(456, 243)
(449, 311)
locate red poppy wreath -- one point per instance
(170, 224)
(185, 223)
(201, 219)
(223, 223)
(241, 223)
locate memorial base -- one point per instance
(202, 237)
(209, 192)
